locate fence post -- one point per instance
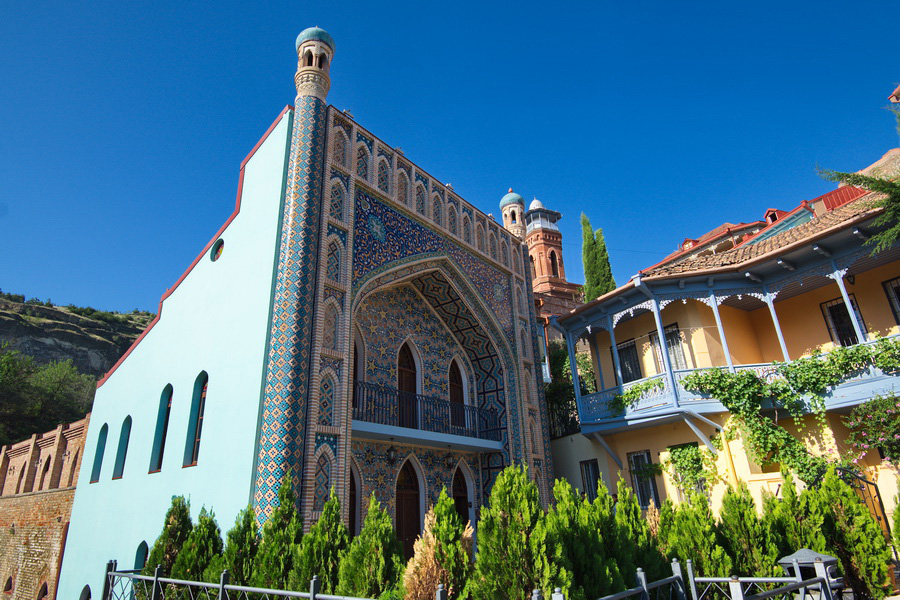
(799, 578)
(642, 582)
(223, 581)
(154, 594)
(735, 590)
(825, 586)
(676, 571)
(558, 595)
(536, 595)
(691, 583)
(441, 593)
(107, 587)
(315, 586)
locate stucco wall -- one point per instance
(197, 331)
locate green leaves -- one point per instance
(374, 562)
(598, 278)
(177, 527)
(889, 201)
(319, 552)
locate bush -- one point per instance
(745, 537)
(177, 527)
(374, 562)
(505, 566)
(638, 546)
(241, 547)
(280, 535)
(320, 550)
(688, 532)
(442, 555)
(203, 544)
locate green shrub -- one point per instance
(241, 547)
(505, 567)
(637, 545)
(177, 527)
(203, 544)
(280, 535)
(374, 562)
(688, 532)
(744, 536)
(320, 550)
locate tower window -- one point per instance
(533, 267)
(323, 61)
(554, 266)
(195, 428)
(307, 59)
(512, 216)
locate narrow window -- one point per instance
(525, 349)
(590, 478)
(533, 268)
(554, 266)
(513, 216)
(321, 61)
(42, 594)
(467, 230)
(340, 149)
(162, 428)
(85, 593)
(384, 177)
(307, 59)
(8, 588)
(195, 427)
(451, 220)
(673, 347)
(457, 397)
(407, 386)
(837, 319)
(436, 210)
(402, 191)
(362, 163)
(629, 361)
(140, 556)
(892, 289)
(73, 468)
(44, 473)
(479, 237)
(420, 200)
(336, 207)
(98, 454)
(492, 246)
(642, 478)
(333, 261)
(504, 254)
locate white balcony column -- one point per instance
(592, 341)
(714, 304)
(664, 349)
(838, 276)
(767, 296)
(615, 350)
(576, 380)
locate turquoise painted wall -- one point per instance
(216, 321)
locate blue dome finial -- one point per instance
(511, 198)
(315, 33)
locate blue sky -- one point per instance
(123, 124)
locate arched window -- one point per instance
(362, 162)
(19, 483)
(512, 216)
(504, 253)
(44, 473)
(407, 386)
(436, 210)
(85, 593)
(326, 402)
(43, 592)
(403, 189)
(330, 329)
(384, 177)
(336, 206)
(554, 266)
(457, 397)
(333, 261)
(409, 518)
(8, 588)
(323, 481)
(307, 59)
(73, 468)
(323, 61)
(98, 454)
(533, 267)
(195, 425)
(420, 199)
(339, 154)
(519, 302)
(124, 435)
(461, 495)
(467, 230)
(493, 246)
(162, 428)
(140, 556)
(479, 237)
(526, 351)
(451, 220)
(354, 501)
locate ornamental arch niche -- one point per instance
(410, 504)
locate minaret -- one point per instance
(512, 206)
(281, 445)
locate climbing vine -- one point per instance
(798, 387)
(876, 424)
(691, 468)
(620, 402)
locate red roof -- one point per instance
(840, 196)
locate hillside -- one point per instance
(93, 339)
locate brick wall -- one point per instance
(32, 531)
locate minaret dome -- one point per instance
(512, 206)
(315, 51)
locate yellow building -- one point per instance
(740, 297)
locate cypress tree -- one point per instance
(202, 545)
(443, 554)
(598, 278)
(320, 550)
(801, 516)
(744, 537)
(374, 562)
(638, 547)
(241, 546)
(505, 567)
(280, 534)
(692, 534)
(177, 526)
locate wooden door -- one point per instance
(457, 401)
(461, 496)
(408, 517)
(407, 385)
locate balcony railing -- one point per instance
(600, 406)
(385, 405)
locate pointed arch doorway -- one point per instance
(408, 502)
(461, 495)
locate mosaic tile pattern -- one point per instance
(322, 481)
(287, 376)
(326, 401)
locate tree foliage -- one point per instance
(320, 551)
(36, 398)
(689, 531)
(202, 546)
(373, 564)
(177, 527)
(280, 535)
(598, 278)
(744, 536)
(241, 547)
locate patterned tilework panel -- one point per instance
(387, 318)
(287, 376)
(384, 236)
(380, 477)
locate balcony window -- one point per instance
(892, 289)
(590, 478)
(673, 345)
(642, 478)
(837, 319)
(629, 360)
(457, 397)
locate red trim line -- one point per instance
(237, 209)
